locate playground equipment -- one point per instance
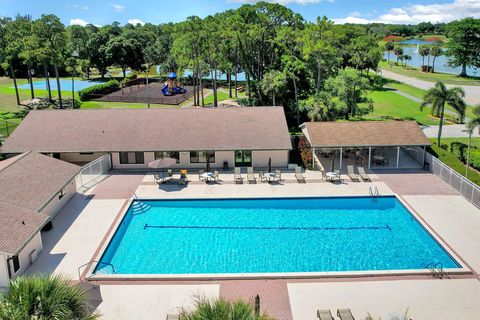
(172, 86)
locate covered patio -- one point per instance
(368, 144)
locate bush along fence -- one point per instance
(460, 150)
(102, 88)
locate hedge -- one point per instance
(102, 88)
(460, 150)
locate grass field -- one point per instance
(451, 160)
(419, 93)
(391, 105)
(432, 77)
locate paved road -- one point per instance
(472, 93)
(450, 131)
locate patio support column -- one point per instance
(341, 157)
(313, 158)
(369, 156)
(398, 157)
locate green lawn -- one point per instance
(391, 105)
(221, 96)
(432, 77)
(419, 93)
(451, 160)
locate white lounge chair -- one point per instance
(351, 173)
(237, 176)
(324, 315)
(250, 177)
(345, 314)
(363, 174)
(278, 175)
(299, 175)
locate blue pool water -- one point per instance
(270, 235)
(65, 85)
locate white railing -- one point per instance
(93, 172)
(462, 185)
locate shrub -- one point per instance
(102, 88)
(305, 152)
(460, 150)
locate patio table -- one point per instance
(208, 176)
(331, 175)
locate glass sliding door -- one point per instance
(243, 158)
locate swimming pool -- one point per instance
(65, 85)
(288, 235)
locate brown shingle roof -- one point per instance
(31, 179)
(232, 128)
(17, 226)
(365, 133)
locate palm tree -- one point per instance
(438, 96)
(389, 46)
(44, 297)
(273, 82)
(321, 107)
(423, 51)
(436, 51)
(398, 52)
(220, 309)
(473, 124)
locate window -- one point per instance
(167, 154)
(243, 158)
(86, 153)
(132, 158)
(61, 194)
(16, 264)
(201, 156)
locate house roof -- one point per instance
(230, 128)
(364, 133)
(18, 225)
(31, 179)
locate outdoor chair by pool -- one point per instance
(351, 173)
(157, 178)
(363, 174)
(262, 176)
(173, 317)
(278, 175)
(339, 175)
(324, 315)
(299, 175)
(215, 176)
(250, 177)
(183, 177)
(237, 176)
(345, 314)
(200, 177)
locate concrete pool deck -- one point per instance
(82, 224)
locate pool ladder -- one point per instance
(138, 206)
(374, 192)
(437, 270)
(89, 265)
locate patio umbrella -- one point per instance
(333, 162)
(162, 163)
(207, 169)
(269, 165)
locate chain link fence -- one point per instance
(93, 172)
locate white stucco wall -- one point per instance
(279, 158)
(35, 244)
(52, 208)
(3, 271)
(75, 157)
(220, 157)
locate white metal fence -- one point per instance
(93, 172)
(465, 187)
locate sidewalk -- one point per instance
(472, 93)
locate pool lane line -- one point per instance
(386, 227)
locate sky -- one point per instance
(99, 12)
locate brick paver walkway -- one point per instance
(273, 294)
(117, 186)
